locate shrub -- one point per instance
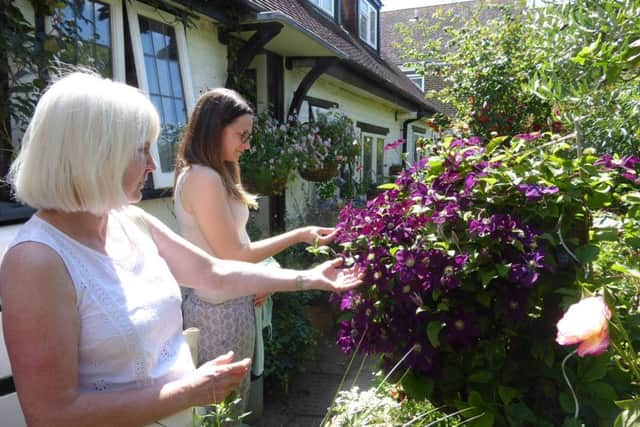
(470, 257)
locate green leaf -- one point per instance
(417, 387)
(507, 394)
(482, 377)
(628, 418)
(628, 403)
(593, 368)
(389, 186)
(433, 332)
(503, 269)
(566, 403)
(587, 253)
(486, 275)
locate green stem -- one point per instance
(564, 373)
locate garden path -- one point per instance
(311, 393)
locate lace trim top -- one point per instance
(129, 309)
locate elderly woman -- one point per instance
(89, 286)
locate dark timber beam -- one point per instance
(263, 35)
(318, 67)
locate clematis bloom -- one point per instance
(586, 323)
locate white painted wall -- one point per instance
(357, 105)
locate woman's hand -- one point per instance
(314, 235)
(260, 299)
(328, 276)
(215, 380)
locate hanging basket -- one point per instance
(321, 174)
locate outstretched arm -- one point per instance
(204, 196)
(192, 267)
(42, 329)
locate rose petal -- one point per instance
(594, 346)
(583, 321)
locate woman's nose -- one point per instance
(151, 163)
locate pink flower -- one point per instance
(586, 323)
(395, 144)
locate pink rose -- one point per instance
(587, 323)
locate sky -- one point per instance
(408, 4)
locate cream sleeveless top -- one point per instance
(190, 230)
(129, 309)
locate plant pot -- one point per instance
(264, 185)
(395, 170)
(319, 175)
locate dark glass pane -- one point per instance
(103, 60)
(363, 27)
(152, 74)
(145, 35)
(169, 109)
(157, 102)
(86, 55)
(103, 24)
(85, 21)
(159, 44)
(176, 81)
(379, 158)
(163, 76)
(181, 112)
(372, 27)
(367, 143)
(68, 54)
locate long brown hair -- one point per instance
(201, 142)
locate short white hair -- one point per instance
(83, 134)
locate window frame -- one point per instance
(376, 139)
(412, 76)
(369, 6)
(318, 4)
(117, 38)
(134, 10)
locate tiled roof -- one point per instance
(358, 56)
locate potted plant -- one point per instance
(324, 144)
(269, 163)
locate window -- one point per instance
(372, 158)
(368, 23)
(418, 133)
(160, 55)
(325, 6)
(92, 35)
(417, 80)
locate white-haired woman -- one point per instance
(91, 304)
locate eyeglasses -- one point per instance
(245, 136)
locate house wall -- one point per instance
(358, 106)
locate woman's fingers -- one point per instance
(328, 237)
(223, 358)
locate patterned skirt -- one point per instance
(223, 327)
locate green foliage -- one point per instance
(485, 63)
(589, 66)
(507, 66)
(292, 341)
(477, 299)
(272, 160)
(327, 141)
(386, 405)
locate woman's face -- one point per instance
(236, 137)
(136, 173)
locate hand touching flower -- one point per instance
(586, 323)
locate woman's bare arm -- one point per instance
(204, 195)
(41, 329)
(193, 267)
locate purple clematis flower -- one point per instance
(535, 192)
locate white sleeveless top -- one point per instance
(129, 309)
(190, 230)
